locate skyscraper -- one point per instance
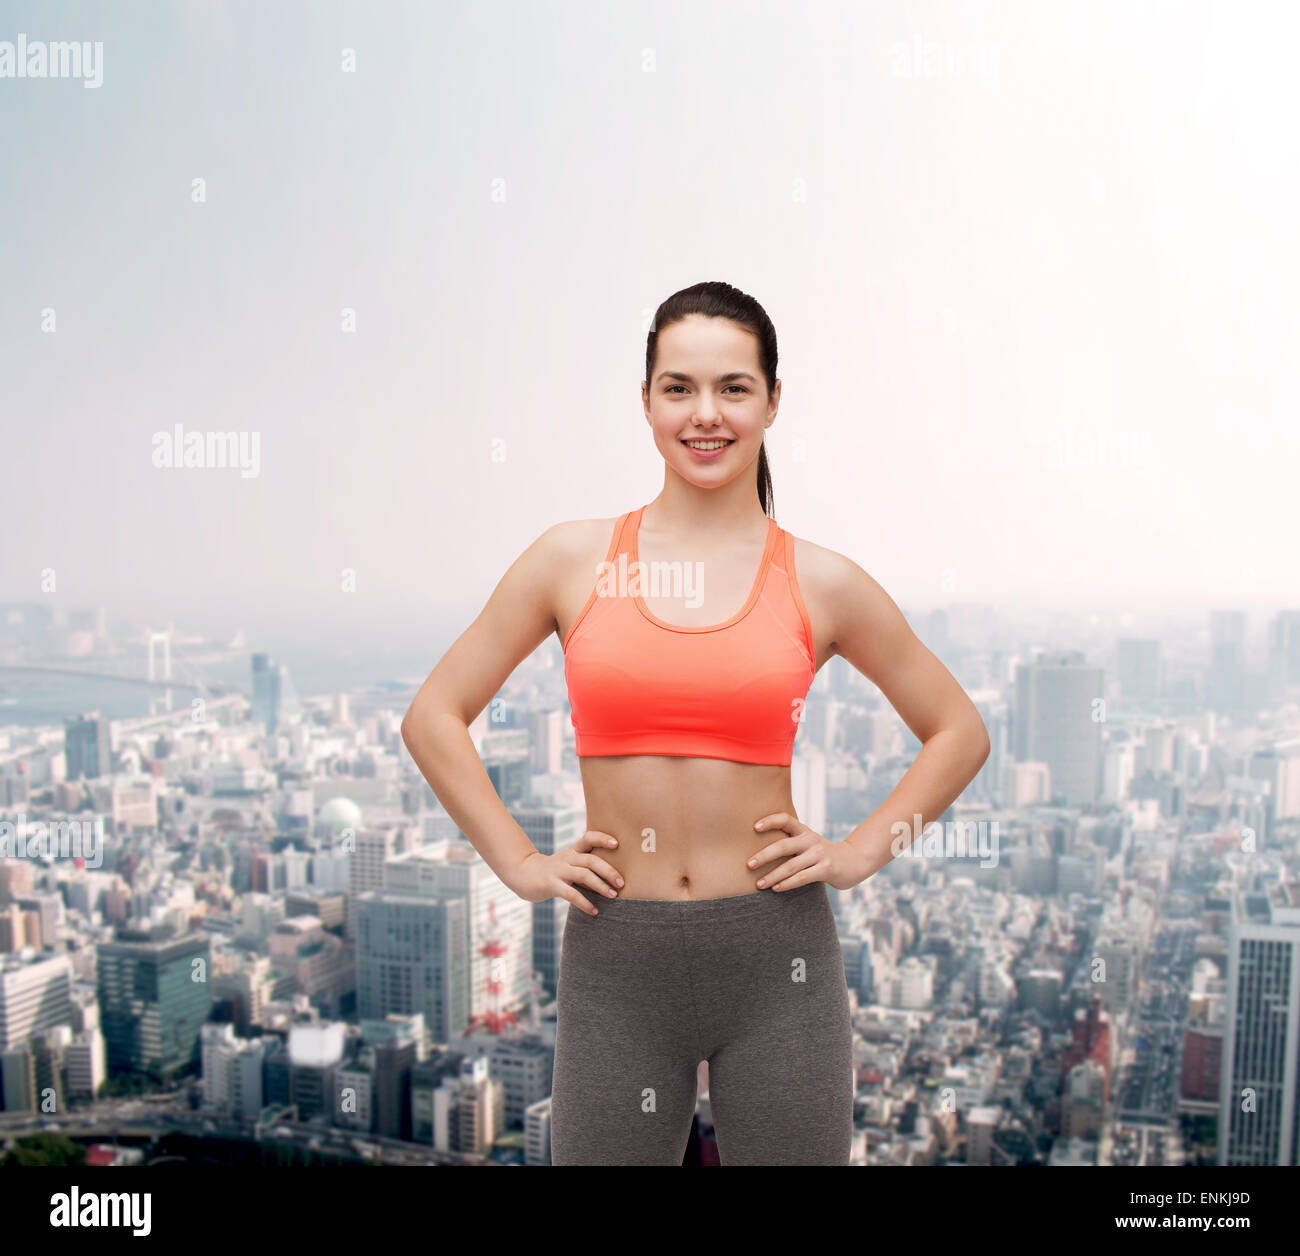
(1057, 721)
(1284, 649)
(154, 994)
(1137, 663)
(266, 692)
(457, 871)
(549, 829)
(87, 746)
(1227, 677)
(1259, 1118)
(34, 996)
(274, 696)
(413, 956)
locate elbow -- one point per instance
(970, 734)
(410, 723)
(419, 719)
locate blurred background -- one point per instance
(314, 316)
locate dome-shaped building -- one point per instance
(337, 815)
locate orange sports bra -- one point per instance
(733, 690)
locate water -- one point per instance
(30, 699)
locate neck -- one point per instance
(729, 510)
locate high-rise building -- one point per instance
(15, 880)
(524, 1064)
(355, 1082)
(427, 1078)
(1120, 965)
(232, 1071)
(372, 849)
(808, 786)
(992, 710)
(841, 678)
(1057, 721)
(1259, 1112)
(34, 996)
(274, 697)
(392, 1048)
(1227, 676)
(413, 956)
(315, 1056)
(1137, 665)
(469, 1111)
(508, 761)
(85, 1060)
(547, 736)
(266, 692)
(1284, 649)
(1202, 1051)
(1279, 765)
(154, 995)
(18, 1092)
(537, 1133)
(549, 829)
(820, 723)
(457, 871)
(87, 746)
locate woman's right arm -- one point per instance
(517, 618)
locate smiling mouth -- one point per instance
(707, 446)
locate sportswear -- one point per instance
(650, 987)
(733, 690)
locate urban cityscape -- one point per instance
(237, 926)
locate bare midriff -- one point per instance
(685, 826)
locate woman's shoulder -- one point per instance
(837, 584)
(577, 540)
(820, 566)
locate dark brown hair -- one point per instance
(721, 300)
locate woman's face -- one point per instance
(708, 387)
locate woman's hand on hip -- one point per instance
(538, 877)
(808, 856)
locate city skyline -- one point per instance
(315, 316)
(1122, 822)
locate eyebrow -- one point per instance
(722, 379)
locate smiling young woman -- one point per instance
(696, 892)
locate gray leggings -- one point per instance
(754, 984)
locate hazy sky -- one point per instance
(989, 235)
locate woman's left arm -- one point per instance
(858, 620)
(872, 634)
